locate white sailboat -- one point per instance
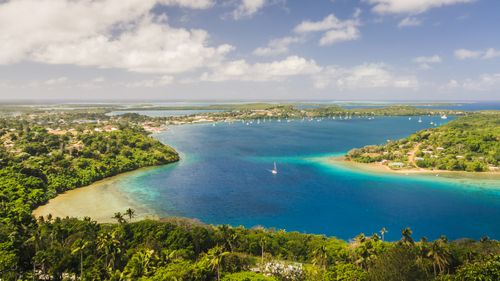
(275, 170)
(444, 116)
(419, 120)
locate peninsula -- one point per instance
(467, 144)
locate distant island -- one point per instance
(470, 143)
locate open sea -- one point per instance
(224, 178)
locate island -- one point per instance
(45, 152)
(467, 144)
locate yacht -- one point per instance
(275, 170)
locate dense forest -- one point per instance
(45, 154)
(72, 249)
(470, 143)
(37, 162)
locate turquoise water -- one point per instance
(224, 178)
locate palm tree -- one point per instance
(262, 244)
(360, 238)
(119, 217)
(214, 257)
(406, 233)
(320, 257)
(80, 246)
(130, 213)
(110, 244)
(383, 231)
(228, 235)
(36, 240)
(440, 256)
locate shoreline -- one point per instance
(378, 168)
(99, 201)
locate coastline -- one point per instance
(99, 201)
(377, 168)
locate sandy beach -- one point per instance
(100, 201)
(380, 168)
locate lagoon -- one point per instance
(224, 178)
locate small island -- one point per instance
(467, 144)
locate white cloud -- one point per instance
(490, 53)
(365, 76)
(247, 8)
(409, 21)
(277, 46)
(336, 30)
(240, 70)
(463, 54)
(56, 81)
(426, 62)
(151, 83)
(485, 82)
(193, 4)
(410, 6)
(348, 33)
(108, 34)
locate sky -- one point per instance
(249, 50)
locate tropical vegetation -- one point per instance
(470, 143)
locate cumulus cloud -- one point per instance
(409, 21)
(151, 83)
(108, 34)
(426, 62)
(193, 4)
(56, 81)
(463, 54)
(247, 8)
(485, 82)
(277, 46)
(335, 30)
(240, 70)
(365, 76)
(410, 6)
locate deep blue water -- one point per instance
(224, 178)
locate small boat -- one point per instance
(275, 170)
(409, 118)
(444, 117)
(419, 120)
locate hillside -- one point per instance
(469, 143)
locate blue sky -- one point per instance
(250, 49)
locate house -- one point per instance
(396, 165)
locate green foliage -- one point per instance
(40, 165)
(247, 276)
(470, 143)
(487, 270)
(36, 165)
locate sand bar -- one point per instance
(100, 201)
(384, 169)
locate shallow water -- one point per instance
(224, 178)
